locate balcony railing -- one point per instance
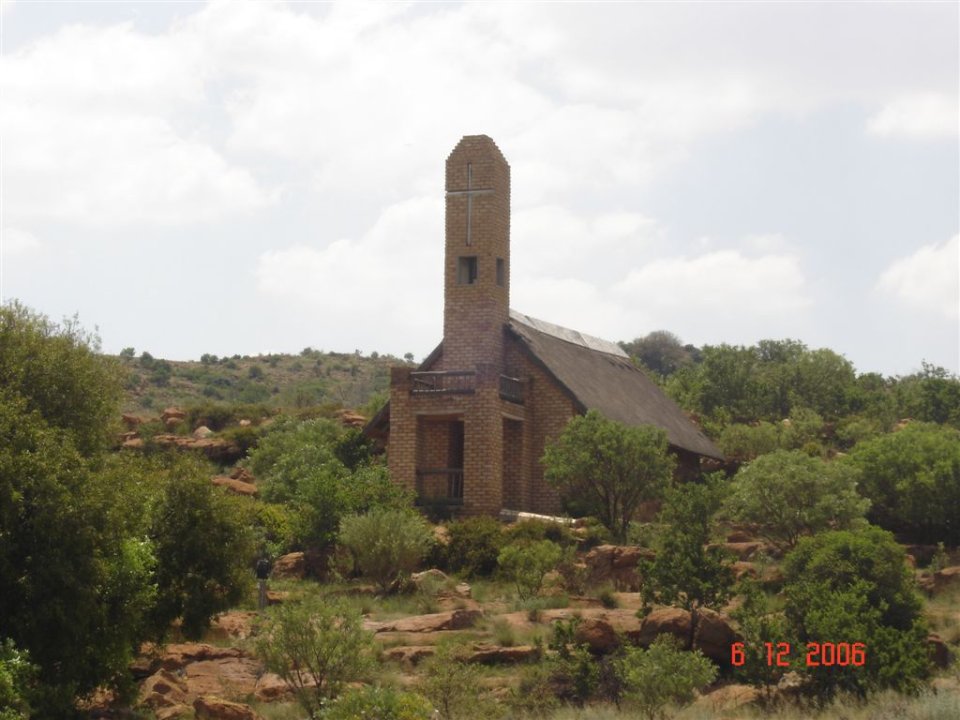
(445, 382)
(511, 389)
(432, 482)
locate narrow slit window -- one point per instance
(467, 270)
(501, 272)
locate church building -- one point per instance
(468, 427)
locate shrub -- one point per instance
(451, 683)
(662, 674)
(16, 678)
(381, 703)
(855, 587)
(786, 495)
(526, 531)
(610, 466)
(474, 546)
(387, 544)
(746, 442)
(912, 478)
(527, 565)
(316, 646)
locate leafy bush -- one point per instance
(912, 478)
(316, 646)
(451, 683)
(610, 466)
(532, 530)
(16, 677)
(855, 587)
(527, 565)
(381, 703)
(387, 544)
(474, 546)
(662, 674)
(785, 495)
(746, 442)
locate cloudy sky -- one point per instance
(232, 177)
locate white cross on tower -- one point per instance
(470, 192)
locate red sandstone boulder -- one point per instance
(172, 712)
(409, 654)
(214, 708)
(597, 634)
(202, 432)
(275, 597)
(290, 566)
(237, 625)
(483, 654)
(241, 473)
(131, 422)
(747, 550)
(163, 689)
(939, 651)
(616, 564)
(235, 486)
(452, 620)
(176, 656)
(942, 579)
(714, 635)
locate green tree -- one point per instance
(58, 372)
(382, 703)
(686, 572)
(855, 587)
(788, 494)
(528, 564)
(316, 646)
(609, 466)
(203, 547)
(474, 546)
(660, 351)
(662, 674)
(386, 543)
(451, 683)
(759, 624)
(912, 478)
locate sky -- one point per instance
(257, 177)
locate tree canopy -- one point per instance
(609, 467)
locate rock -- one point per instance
(241, 473)
(463, 590)
(740, 536)
(598, 635)
(216, 709)
(275, 597)
(484, 654)
(352, 419)
(714, 635)
(235, 486)
(939, 651)
(292, 565)
(176, 656)
(437, 577)
(173, 412)
(132, 444)
(616, 564)
(172, 423)
(202, 432)
(237, 625)
(747, 550)
(727, 698)
(244, 423)
(409, 654)
(741, 569)
(131, 422)
(172, 712)
(441, 535)
(163, 689)
(452, 620)
(942, 579)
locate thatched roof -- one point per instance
(599, 375)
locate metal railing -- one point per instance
(443, 382)
(511, 389)
(454, 485)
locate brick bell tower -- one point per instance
(477, 257)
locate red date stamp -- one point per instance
(816, 654)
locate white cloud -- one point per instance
(94, 131)
(15, 241)
(928, 280)
(923, 116)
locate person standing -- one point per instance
(263, 574)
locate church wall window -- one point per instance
(467, 270)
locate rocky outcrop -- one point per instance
(214, 708)
(409, 654)
(235, 486)
(715, 634)
(483, 654)
(598, 635)
(452, 620)
(234, 625)
(292, 566)
(616, 564)
(202, 432)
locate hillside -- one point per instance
(311, 378)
